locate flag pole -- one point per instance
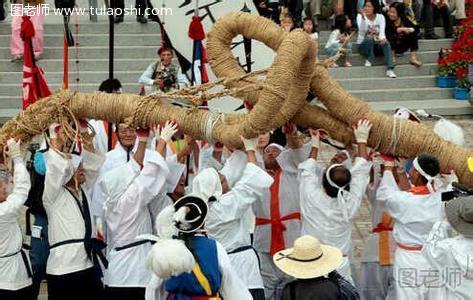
(111, 35)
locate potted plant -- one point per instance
(462, 90)
(446, 70)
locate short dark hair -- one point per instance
(429, 163)
(340, 176)
(340, 22)
(314, 26)
(164, 49)
(110, 85)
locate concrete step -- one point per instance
(380, 71)
(84, 76)
(144, 52)
(444, 107)
(381, 95)
(129, 39)
(388, 83)
(14, 90)
(87, 64)
(359, 60)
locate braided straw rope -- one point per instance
(278, 98)
(342, 109)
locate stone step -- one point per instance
(129, 39)
(388, 83)
(359, 60)
(380, 71)
(145, 52)
(381, 95)
(95, 77)
(444, 107)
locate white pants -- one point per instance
(376, 282)
(413, 276)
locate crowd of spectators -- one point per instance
(387, 28)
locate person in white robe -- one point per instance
(448, 250)
(129, 190)
(73, 270)
(15, 268)
(414, 212)
(278, 213)
(226, 222)
(377, 259)
(331, 196)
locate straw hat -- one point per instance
(308, 258)
(459, 213)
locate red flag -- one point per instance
(34, 84)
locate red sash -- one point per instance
(276, 221)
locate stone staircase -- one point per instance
(135, 49)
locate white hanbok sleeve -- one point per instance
(238, 200)
(389, 193)
(92, 163)
(360, 177)
(146, 186)
(290, 159)
(310, 178)
(437, 247)
(155, 289)
(21, 187)
(58, 171)
(231, 288)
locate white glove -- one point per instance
(52, 130)
(14, 150)
(170, 129)
(250, 144)
(449, 178)
(315, 138)
(362, 131)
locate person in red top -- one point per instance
(278, 214)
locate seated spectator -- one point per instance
(287, 23)
(401, 33)
(372, 37)
(313, 267)
(309, 28)
(163, 75)
(431, 10)
(340, 32)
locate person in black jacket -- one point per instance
(401, 33)
(313, 265)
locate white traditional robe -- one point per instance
(322, 215)
(64, 216)
(13, 271)
(414, 216)
(227, 222)
(452, 257)
(129, 191)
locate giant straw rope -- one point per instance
(277, 98)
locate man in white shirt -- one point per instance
(73, 270)
(330, 197)
(15, 269)
(450, 254)
(226, 222)
(129, 189)
(414, 212)
(163, 75)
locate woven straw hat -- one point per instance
(308, 258)
(459, 212)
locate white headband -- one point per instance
(342, 193)
(430, 179)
